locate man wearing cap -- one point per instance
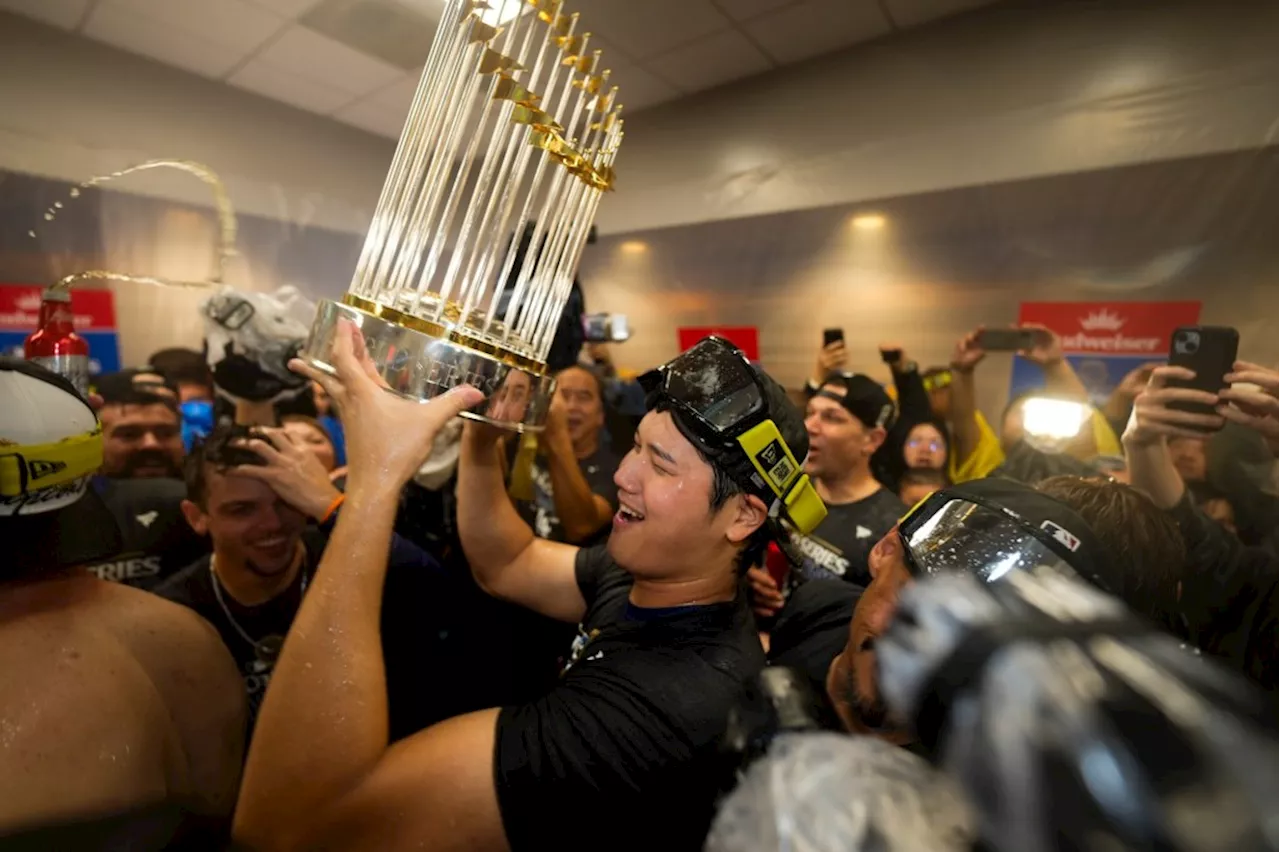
(140, 480)
(847, 419)
(113, 699)
(622, 753)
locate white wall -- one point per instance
(71, 108)
(1009, 92)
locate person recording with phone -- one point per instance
(1229, 594)
(976, 450)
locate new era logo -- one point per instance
(39, 469)
(1066, 539)
(776, 465)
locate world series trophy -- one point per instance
(506, 152)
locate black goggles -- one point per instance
(713, 386)
(949, 533)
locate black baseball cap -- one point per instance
(136, 386)
(864, 398)
(989, 527)
(51, 432)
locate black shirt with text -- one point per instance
(622, 753)
(839, 546)
(158, 541)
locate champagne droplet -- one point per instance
(31, 234)
(75, 192)
(48, 217)
(57, 204)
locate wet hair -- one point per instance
(1147, 548)
(217, 452)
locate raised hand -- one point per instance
(388, 437)
(968, 353)
(832, 358)
(1255, 409)
(1048, 348)
(1153, 420)
(292, 470)
(766, 597)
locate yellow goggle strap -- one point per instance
(772, 459)
(33, 467)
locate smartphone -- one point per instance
(832, 335)
(891, 356)
(605, 328)
(1210, 352)
(1009, 339)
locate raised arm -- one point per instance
(508, 561)
(320, 773)
(965, 431)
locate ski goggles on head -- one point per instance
(720, 403)
(951, 532)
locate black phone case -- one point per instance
(832, 335)
(1007, 339)
(1209, 351)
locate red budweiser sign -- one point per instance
(1112, 328)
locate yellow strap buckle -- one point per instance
(32, 467)
(773, 460)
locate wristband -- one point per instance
(333, 507)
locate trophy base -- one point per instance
(419, 366)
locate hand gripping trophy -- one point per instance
(508, 147)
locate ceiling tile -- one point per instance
(304, 53)
(646, 29)
(913, 13)
(287, 8)
(60, 13)
(399, 95)
(373, 117)
(745, 10)
(714, 60)
(233, 24)
(815, 27)
(637, 89)
(138, 34)
(258, 76)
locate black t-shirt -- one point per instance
(840, 544)
(597, 468)
(428, 634)
(622, 753)
(193, 587)
(158, 541)
(812, 629)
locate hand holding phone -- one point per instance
(1209, 352)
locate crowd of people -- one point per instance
(349, 620)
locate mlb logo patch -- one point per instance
(1066, 539)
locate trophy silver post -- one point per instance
(439, 257)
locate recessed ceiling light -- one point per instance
(868, 221)
(634, 247)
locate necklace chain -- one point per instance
(226, 610)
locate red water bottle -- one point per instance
(55, 345)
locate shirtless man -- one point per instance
(113, 700)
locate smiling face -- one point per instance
(666, 528)
(141, 441)
(251, 527)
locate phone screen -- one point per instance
(1007, 339)
(832, 335)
